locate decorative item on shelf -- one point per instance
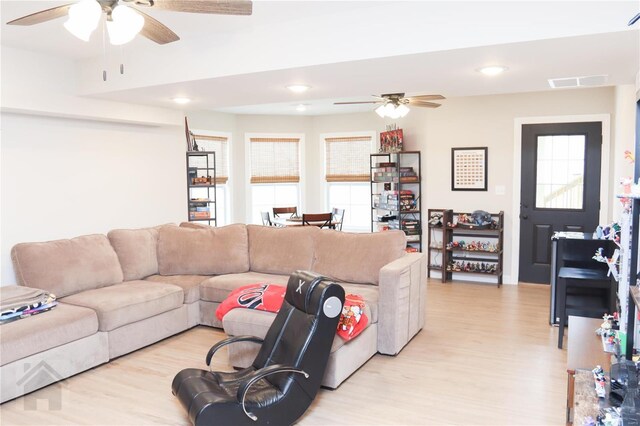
(600, 381)
(486, 246)
(435, 220)
(476, 267)
(392, 140)
(479, 219)
(202, 180)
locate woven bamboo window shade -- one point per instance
(219, 145)
(274, 160)
(348, 159)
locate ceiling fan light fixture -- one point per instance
(124, 25)
(381, 111)
(402, 110)
(84, 17)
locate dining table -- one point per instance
(297, 221)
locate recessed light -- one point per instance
(301, 108)
(298, 88)
(493, 70)
(181, 101)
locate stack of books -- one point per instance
(397, 200)
(389, 172)
(199, 210)
(409, 226)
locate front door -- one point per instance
(560, 189)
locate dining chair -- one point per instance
(291, 211)
(338, 217)
(266, 220)
(321, 220)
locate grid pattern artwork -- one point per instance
(469, 169)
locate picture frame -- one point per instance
(469, 169)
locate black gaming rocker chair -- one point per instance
(285, 376)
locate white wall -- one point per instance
(61, 178)
(91, 176)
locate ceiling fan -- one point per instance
(394, 105)
(124, 22)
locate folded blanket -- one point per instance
(19, 302)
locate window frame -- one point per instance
(301, 157)
(326, 185)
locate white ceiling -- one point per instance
(348, 50)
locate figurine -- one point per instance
(600, 381)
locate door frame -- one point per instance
(605, 119)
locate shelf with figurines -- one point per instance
(473, 244)
(473, 267)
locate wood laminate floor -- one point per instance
(487, 356)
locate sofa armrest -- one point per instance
(402, 302)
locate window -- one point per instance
(275, 173)
(347, 177)
(560, 171)
(216, 142)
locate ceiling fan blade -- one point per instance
(427, 97)
(423, 104)
(221, 7)
(156, 31)
(354, 103)
(42, 16)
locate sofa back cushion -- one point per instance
(65, 267)
(203, 250)
(356, 258)
(137, 251)
(275, 250)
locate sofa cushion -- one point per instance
(38, 333)
(137, 251)
(65, 267)
(277, 250)
(356, 258)
(128, 302)
(204, 251)
(216, 289)
(249, 322)
(190, 284)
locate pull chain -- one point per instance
(121, 59)
(104, 51)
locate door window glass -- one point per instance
(560, 172)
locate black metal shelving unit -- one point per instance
(201, 187)
(389, 173)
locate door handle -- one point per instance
(524, 216)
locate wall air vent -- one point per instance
(584, 81)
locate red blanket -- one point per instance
(269, 297)
(263, 297)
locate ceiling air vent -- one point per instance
(585, 81)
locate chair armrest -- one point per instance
(228, 341)
(401, 301)
(261, 374)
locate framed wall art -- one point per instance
(469, 169)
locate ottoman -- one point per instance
(344, 360)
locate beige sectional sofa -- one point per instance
(132, 288)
